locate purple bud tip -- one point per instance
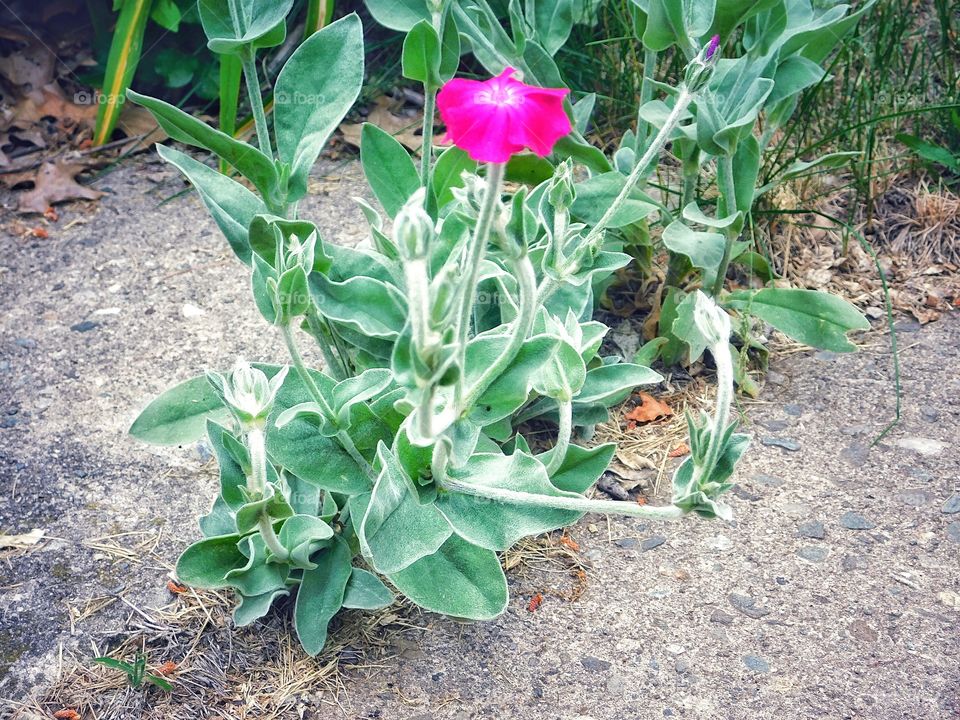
(713, 46)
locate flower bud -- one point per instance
(700, 69)
(710, 319)
(561, 191)
(248, 393)
(413, 228)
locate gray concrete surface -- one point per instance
(833, 594)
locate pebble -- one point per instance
(952, 505)
(192, 311)
(775, 378)
(855, 521)
(720, 543)
(783, 443)
(28, 343)
(741, 492)
(813, 530)
(756, 663)
(953, 531)
(949, 598)
(860, 630)
(853, 562)
(682, 666)
(855, 454)
(626, 543)
(674, 649)
(793, 410)
(775, 425)
(652, 542)
(721, 618)
(826, 355)
(747, 605)
(930, 414)
(917, 497)
(922, 445)
(813, 553)
(795, 509)
(84, 326)
(594, 664)
(8, 422)
(768, 480)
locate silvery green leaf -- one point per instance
(396, 530)
(256, 576)
(253, 607)
(303, 535)
(321, 595)
(365, 591)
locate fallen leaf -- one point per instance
(39, 232)
(51, 214)
(649, 409)
(168, 667)
(66, 714)
(55, 183)
(140, 126)
(569, 542)
(679, 451)
(19, 542)
(175, 588)
(405, 128)
(535, 603)
(49, 101)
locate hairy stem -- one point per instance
(475, 252)
(319, 328)
(728, 193)
(257, 485)
(563, 437)
(593, 239)
(249, 64)
(345, 440)
(426, 150)
(721, 418)
(576, 504)
(526, 277)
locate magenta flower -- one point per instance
(495, 119)
(713, 46)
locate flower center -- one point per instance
(499, 95)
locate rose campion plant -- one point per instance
(402, 466)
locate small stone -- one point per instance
(853, 562)
(720, 543)
(793, 410)
(626, 543)
(84, 326)
(874, 313)
(855, 521)
(8, 422)
(784, 443)
(721, 618)
(813, 530)
(775, 425)
(930, 415)
(922, 445)
(907, 326)
(953, 531)
(813, 553)
(916, 498)
(28, 343)
(741, 492)
(860, 630)
(768, 480)
(952, 505)
(826, 356)
(674, 649)
(756, 663)
(747, 605)
(775, 378)
(594, 664)
(682, 665)
(949, 598)
(192, 311)
(797, 510)
(652, 542)
(855, 454)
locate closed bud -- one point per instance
(561, 191)
(248, 393)
(413, 228)
(700, 69)
(710, 319)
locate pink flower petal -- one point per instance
(495, 119)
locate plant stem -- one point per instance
(475, 252)
(249, 63)
(426, 150)
(334, 364)
(345, 440)
(576, 504)
(563, 437)
(257, 485)
(728, 193)
(646, 92)
(595, 236)
(526, 276)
